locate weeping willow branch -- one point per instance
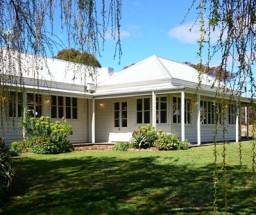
(27, 28)
(235, 47)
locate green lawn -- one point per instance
(171, 182)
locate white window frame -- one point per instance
(57, 106)
(176, 117)
(144, 111)
(160, 110)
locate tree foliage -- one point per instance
(78, 57)
(235, 23)
(27, 27)
(213, 71)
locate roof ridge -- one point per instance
(163, 66)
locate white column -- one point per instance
(198, 120)
(93, 120)
(24, 113)
(182, 116)
(246, 120)
(237, 123)
(153, 109)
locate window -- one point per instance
(211, 113)
(161, 110)
(120, 114)
(143, 110)
(15, 104)
(232, 114)
(34, 104)
(63, 107)
(177, 110)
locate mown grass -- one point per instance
(173, 182)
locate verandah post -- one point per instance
(182, 115)
(154, 109)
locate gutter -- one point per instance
(147, 92)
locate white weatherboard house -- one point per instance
(154, 91)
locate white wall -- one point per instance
(105, 121)
(13, 129)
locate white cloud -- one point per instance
(138, 3)
(189, 33)
(123, 34)
(127, 32)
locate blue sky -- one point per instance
(151, 27)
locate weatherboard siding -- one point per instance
(12, 130)
(80, 125)
(105, 121)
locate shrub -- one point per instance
(144, 137)
(122, 146)
(46, 137)
(167, 141)
(6, 171)
(21, 146)
(184, 145)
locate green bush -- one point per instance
(45, 137)
(167, 141)
(184, 145)
(6, 171)
(170, 142)
(147, 137)
(122, 146)
(21, 146)
(144, 137)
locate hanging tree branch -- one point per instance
(27, 27)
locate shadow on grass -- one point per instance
(107, 185)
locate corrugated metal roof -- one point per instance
(156, 68)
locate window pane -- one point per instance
(12, 102)
(68, 101)
(139, 104)
(60, 101)
(54, 101)
(38, 111)
(139, 117)
(38, 99)
(20, 104)
(30, 99)
(74, 108)
(124, 106)
(53, 107)
(117, 123)
(175, 119)
(68, 112)
(147, 117)
(176, 109)
(74, 102)
(116, 114)
(124, 122)
(163, 117)
(74, 113)
(163, 103)
(147, 104)
(124, 114)
(53, 112)
(61, 112)
(116, 106)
